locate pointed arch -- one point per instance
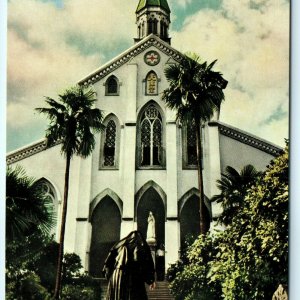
(151, 86)
(107, 192)
(150, 137)
(187, 195)
(110, 143)
(53, 187)
(112, 86)
(144, 188)
(105, 219)
(51, 192)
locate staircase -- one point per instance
(161, 292)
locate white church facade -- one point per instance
(144, 160)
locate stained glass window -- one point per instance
(109, 144)
(50, 195)
(151, 137)
(191, 143)
(151, 84)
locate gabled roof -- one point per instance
(146, 3)
(115, 63)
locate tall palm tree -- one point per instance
(196, 92)
(233, 188)
(73, 123)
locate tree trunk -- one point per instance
(203, 221)
(62, 231)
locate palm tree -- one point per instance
(27, 208)
(196, 92)
(233, 187)
(73, 123)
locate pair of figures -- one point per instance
(129, 265)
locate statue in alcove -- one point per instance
(151, 236)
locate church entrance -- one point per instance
(152, 202)
(189, 221)
(106, 225)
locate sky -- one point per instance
(52, 44)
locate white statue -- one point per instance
(151, 237)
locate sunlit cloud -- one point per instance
(52, 45)
(250, 39)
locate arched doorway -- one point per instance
(106, 225)
(189, 221)
(190, 218)
(152, 201)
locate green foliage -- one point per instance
(29, 219)
(73, 121)
(81, 288)
(33, 276)
(249, 259)
(195, 90)
(191, 280)
(72, 266)
(27, 209)
(45, 265)
(71, 292)
(233, 188)
(31, 255)
(28, 286)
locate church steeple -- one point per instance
(153, 16)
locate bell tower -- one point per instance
(153, 16)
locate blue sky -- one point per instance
(53, 44)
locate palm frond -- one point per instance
(26, 206)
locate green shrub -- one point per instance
(249, 259)
(78, 292)
(27, 287)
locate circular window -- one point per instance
(152, 58)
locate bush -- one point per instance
(191, 280)
(249, 259)
(78, 292)
(27, 287)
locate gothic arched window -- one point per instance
(150, 144)
(49, 193)
(110, 141)
(189, 142)
(151, 83)
(112, 86)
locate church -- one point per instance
(144, 161)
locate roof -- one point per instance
(247, 138)
(127, 55)
(146, 3)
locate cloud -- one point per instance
(250, 39)
(183, 3)
(51, 48)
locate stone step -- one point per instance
(161, 292)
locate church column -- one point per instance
(172, 234)
(213, 165)
(82, 230)
(128, 147)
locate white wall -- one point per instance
(237, 155)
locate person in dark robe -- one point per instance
(128, 266)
